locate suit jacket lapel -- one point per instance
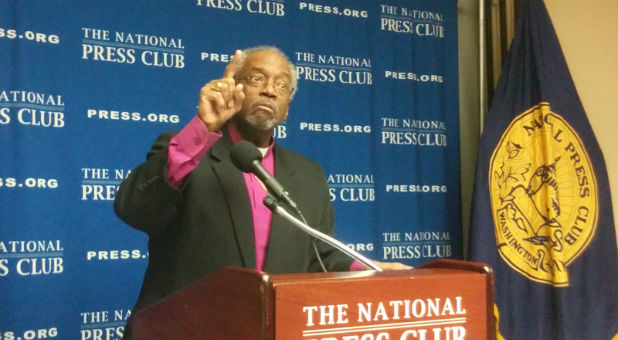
(237, 197)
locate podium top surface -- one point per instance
(368, 274)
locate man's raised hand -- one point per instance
(221, 98)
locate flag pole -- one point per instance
(482, 67)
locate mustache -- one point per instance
(267, 103)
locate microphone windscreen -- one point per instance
(243, 154)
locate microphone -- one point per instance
(247, 158)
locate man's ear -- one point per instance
(287, 110)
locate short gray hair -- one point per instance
(249, 51)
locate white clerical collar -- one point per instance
(264, 151)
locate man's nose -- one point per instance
(269, 88)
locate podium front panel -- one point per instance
(431, 304)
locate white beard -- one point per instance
(261, 122)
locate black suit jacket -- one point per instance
(207, 223)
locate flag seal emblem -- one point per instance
(543, 194)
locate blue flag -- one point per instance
(542, 214)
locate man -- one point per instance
(201, 213)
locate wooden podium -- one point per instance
(441, 300)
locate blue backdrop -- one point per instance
(86, 87)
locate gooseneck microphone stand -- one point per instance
(275, 207)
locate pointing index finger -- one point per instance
(230, 69)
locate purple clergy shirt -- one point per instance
(262, 216)
(184, 153)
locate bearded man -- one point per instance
(201, 213)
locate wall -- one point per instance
(588, 34)
(469, 128)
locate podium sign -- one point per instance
(428, 304)
(444, 300)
